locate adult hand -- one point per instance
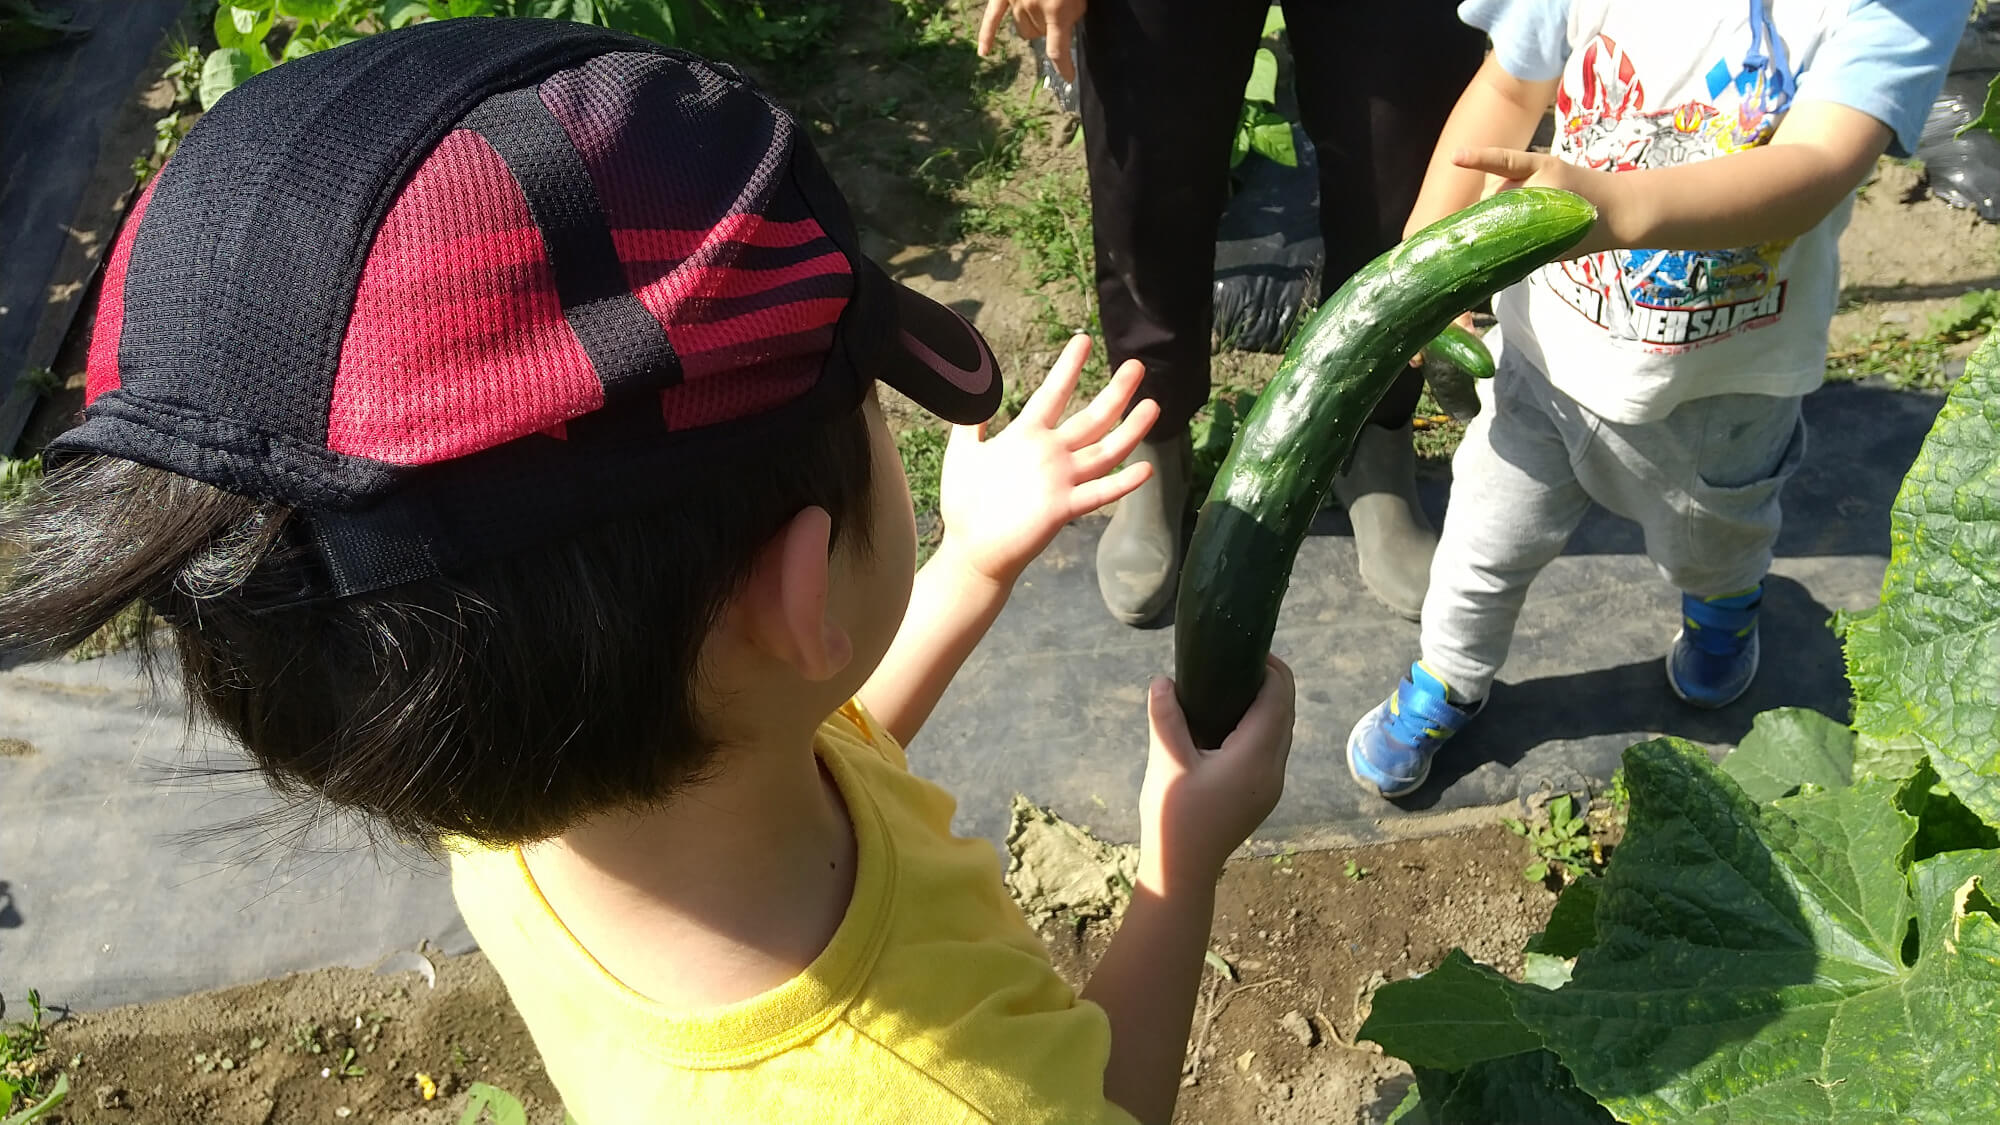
(1036, 19)
(1003, 500)
(1196, 806)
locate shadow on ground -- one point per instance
(1052, 704)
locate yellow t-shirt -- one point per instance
(933, 1003)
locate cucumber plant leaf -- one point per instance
(1530, 1086)
(1925, 664)
(1788, 748)
(1452, 1017)
(1751, 963)
(1572, 925)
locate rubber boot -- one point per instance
(1391, 533)
(1139, 558)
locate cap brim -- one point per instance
(934, 355)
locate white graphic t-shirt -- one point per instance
(1631, 334)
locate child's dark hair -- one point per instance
(503, 705)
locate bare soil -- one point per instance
(277, 1051)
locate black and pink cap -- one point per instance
(448, 283)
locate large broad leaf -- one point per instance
(1749, 964)
(1529, 1087)
(1788, 748)
(1454, 1016)
(1925, 664)
(1572, 926)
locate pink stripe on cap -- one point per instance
(971, 382)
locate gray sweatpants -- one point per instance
(1702, 483)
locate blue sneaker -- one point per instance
(1391, 747)
(1714, 657)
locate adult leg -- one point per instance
(1376, 83)
(1162, 86)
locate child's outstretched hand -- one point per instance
(1196, 806)
(1005, 498)
(1508, 168)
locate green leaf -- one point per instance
(1263, 84)
(1789, 747)
(403, 13)
(1925, 664)
(653, 19)
(1274, 21)
(1536, 871)
(244, 20)
(57, 1095)
(1750, 962)
(1451, 1017)
(1273, 142)
(1572, 926)
(1989, 116)
(1545, 970)
(1532, 1086)
(481, 1099)
(222, 72)
(1887, 757)
(317, 11)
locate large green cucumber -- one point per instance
(1304, 425)
(1452, 365)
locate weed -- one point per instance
(1354, 871)
(28, 1076)
(118, 634)
(922, 446)
(484, 1102)
(184, 72)
(41, 380)
(308, 1039)
(1918, 362)
(18, 477)
(1561, 843)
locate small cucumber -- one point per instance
(1304, 425)
(1451, 363)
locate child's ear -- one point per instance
(783, 606)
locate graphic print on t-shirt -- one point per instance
(1671, 301)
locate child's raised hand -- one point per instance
(1196, 806)
(1005, 498)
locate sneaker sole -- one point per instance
(1353, 771)
(1756, 659)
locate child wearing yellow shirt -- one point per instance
(489, 408)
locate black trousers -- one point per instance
(1162, 87)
